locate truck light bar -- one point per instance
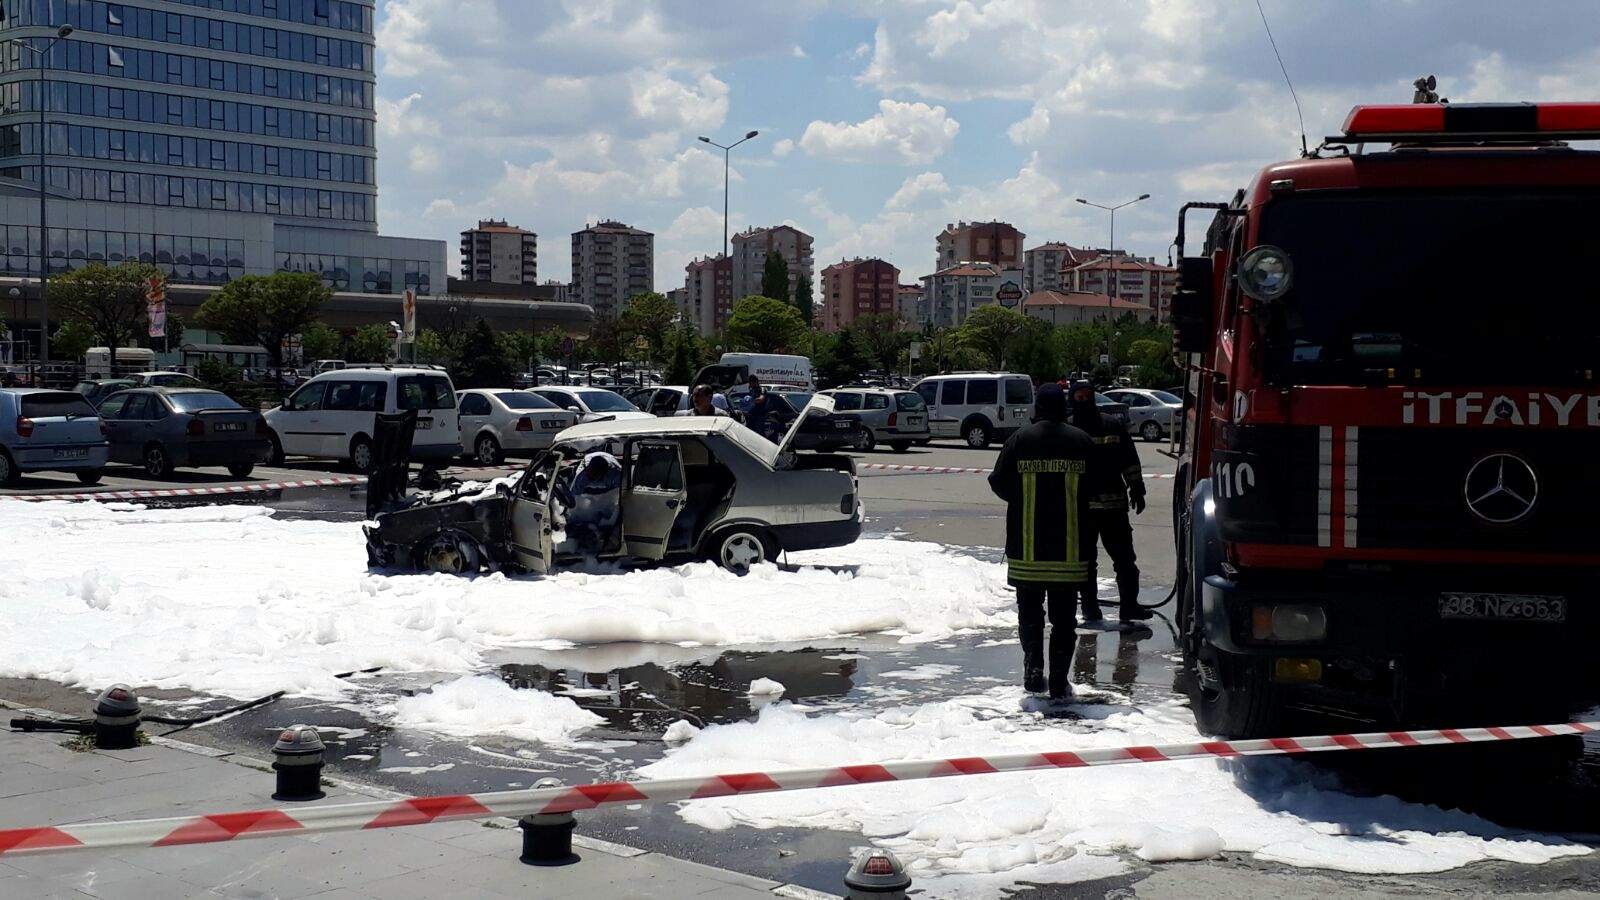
(1471, 122)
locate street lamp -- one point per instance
(1111, 267)
(726, 152)
(44, 231)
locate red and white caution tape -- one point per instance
(422, 810)
(959, 470)
(158, 493)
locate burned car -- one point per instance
(635, 491)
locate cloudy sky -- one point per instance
(881, 120)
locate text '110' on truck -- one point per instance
(1390, 458)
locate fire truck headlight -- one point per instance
(1266, 273)
(1289, 622)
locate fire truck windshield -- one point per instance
(1458, 287)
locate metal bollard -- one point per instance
(298, 762)
(547, 838)
(116, 719)
(876, 875)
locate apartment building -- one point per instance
(611, 262)
(857, 287)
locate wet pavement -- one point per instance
(639, 690)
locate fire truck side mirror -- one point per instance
(1193, 304)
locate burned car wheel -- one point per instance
(452, 554)
(737, 549)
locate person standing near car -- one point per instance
(1115, 482)
(1040, 474)
(756, 407)
(702, 402)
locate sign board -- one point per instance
(410, 316)
(915, 351)
(641, 344)
(568, 346)
(1009, 294)
(1105, 359)
(155, 298)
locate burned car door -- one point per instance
(532, 544)
(653, 498)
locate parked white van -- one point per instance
(771, 368)
(331, 416)
(978, 407)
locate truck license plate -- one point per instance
(1503, 607)
(75, 453)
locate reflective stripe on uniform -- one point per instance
(1051, 571)
(1108, 439)
(1073, 551)
(1030, 486)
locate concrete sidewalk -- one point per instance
(44, 783)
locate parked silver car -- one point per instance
(49, 431)
(1151, 413)
(690, 487)
(896, 418)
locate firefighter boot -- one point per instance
(1062, 642)
(1129, 609)
(1032, 634)
(1091, 603)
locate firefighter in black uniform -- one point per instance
(1040, 474)
(1115, 481)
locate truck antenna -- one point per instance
(1285, 69)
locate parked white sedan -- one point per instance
(592, 404)
(501, 422)
(1151, 413)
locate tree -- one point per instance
(881, 339)
(483, 364)
(990, 330)
(649, 315)
(1078, 347)
(775, 278)
(608, 339)
(803, 302)
(318, 341)
(841, 360)
(520, 348)
(109, 301)
(1036, 352)
(765, 325)
(265, 309)
(72, 340)
(685, 353)
(371, 344)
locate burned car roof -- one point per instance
(663, 426)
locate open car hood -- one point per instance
(819, 406)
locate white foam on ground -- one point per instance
(229, 600)
(765, 687)
(479, 705)
(977, 836)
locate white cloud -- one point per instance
(783, 148)
(918, 189)
(404, 117)
(797, 51)
(665, 102)
(1031, 129)
(906, 133)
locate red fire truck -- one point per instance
(1390, 458)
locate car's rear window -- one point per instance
(524, 400)
(908, 400)
(194, 402)
(1019, 390)
(425, 392)
(55, 405)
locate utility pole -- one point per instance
(1111, 274)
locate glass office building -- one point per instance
(212, 138)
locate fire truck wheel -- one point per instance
(1234, 695)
